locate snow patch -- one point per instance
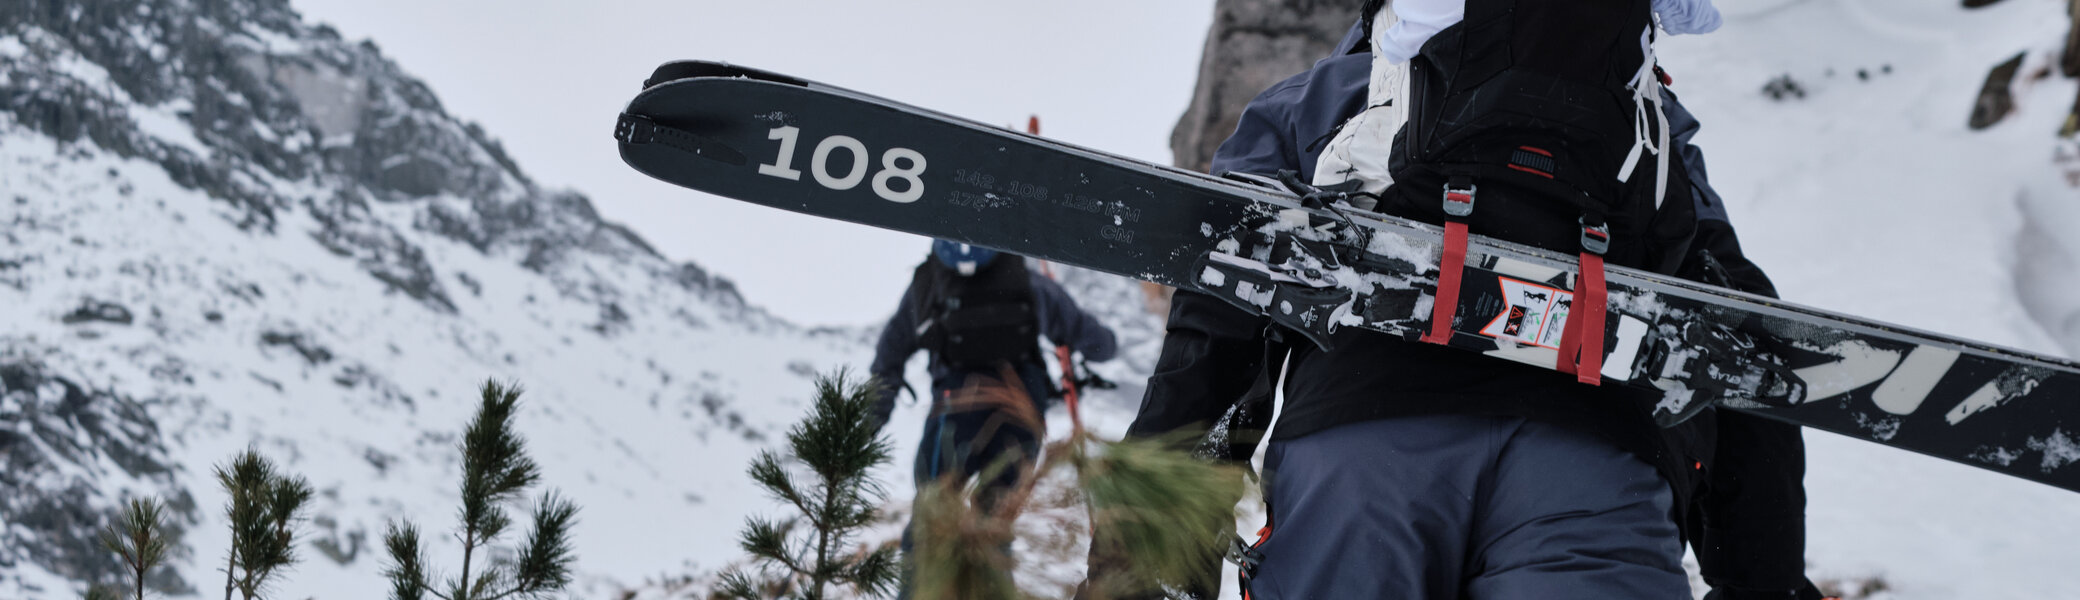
(273, 42)
(2059, 450)
(1998, 456)
(1880, 428)
(1294, 218)
(89, 74)
(1408, 248)
(165, 123)
(1642, 303)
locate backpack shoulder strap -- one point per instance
(928, 293)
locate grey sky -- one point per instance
(547, 78)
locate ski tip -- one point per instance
(689, 69)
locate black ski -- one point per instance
(1314, 266)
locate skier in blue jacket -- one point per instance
(1405, 470)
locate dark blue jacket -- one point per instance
(1215, 357)
(1055, 312)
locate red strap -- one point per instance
(1581, 345)
(1069, 385)
(1592, 330)
(1448, 272)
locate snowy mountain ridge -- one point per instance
(226, 226)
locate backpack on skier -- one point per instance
(1531, 121)
(977, 320)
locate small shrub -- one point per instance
(139, 537)
(264, 508)
(838, 446)
(495, 472)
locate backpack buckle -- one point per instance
(1244, 556)
(1596, 236)
(1458, 198)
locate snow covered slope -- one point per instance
(1868, 195)
(225, 227)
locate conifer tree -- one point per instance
(1162, 515)
(139, 537)
(495, 472)
(959, 548)
(837, 446)
(263, 511)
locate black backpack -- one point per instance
(1521, 119)
(1527, 102)
(980, 320)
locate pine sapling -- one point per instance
(495, 472)
(138, 537)
(1161, 514)
(837, 446)
(958, 550)
(263, 510)
(962, 529)
(407, 571)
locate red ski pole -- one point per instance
(1061, 353)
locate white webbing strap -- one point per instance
(1648, 135)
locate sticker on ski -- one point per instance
(1534, 314)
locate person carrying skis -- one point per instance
(1401, 469)
(979, 314)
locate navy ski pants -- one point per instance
(1465, 507)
